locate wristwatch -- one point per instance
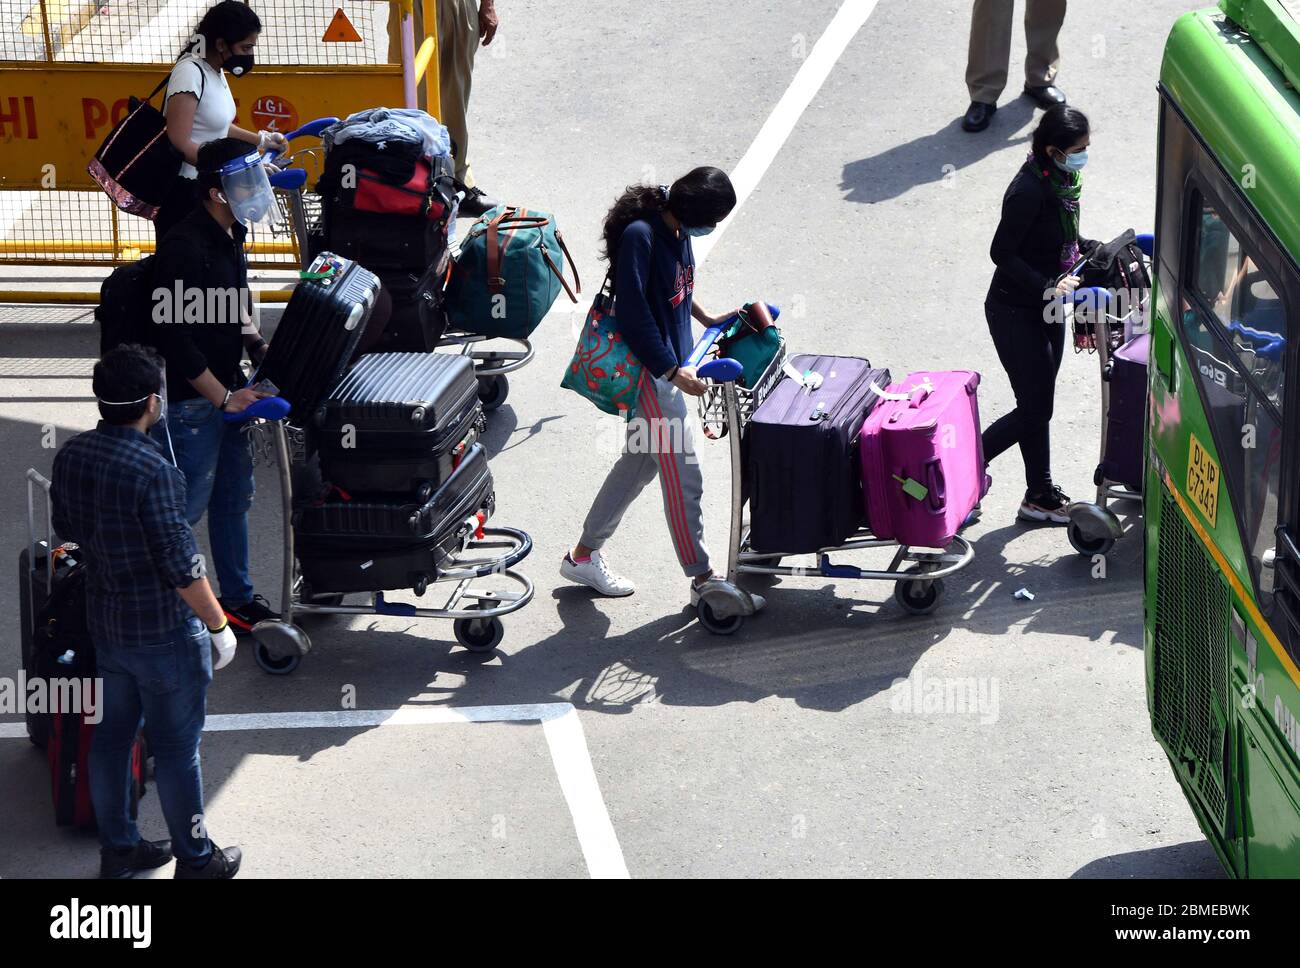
(225, 401)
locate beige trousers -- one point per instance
(457, 43)
(990, 45)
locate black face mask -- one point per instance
(238, 64)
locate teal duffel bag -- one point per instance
(508, 274)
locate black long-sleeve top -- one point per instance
(1027, 244)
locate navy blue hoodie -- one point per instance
(653, 282)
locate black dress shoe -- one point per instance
(144, 856)
(1049, 95)
(978, 116)
(221, 866)
(476, 203)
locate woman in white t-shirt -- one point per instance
(199, 105)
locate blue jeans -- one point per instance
(165, 684)
(213, 456)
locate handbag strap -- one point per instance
(508, 219)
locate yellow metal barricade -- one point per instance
(68, 69)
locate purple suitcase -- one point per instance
(922, 458)
(800, 455)
(1122, 462)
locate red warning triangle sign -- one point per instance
(340, 30)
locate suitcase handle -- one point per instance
(36, 479)
(937, 496)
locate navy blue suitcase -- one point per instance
(800, 454)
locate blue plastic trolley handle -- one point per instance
(1271, 343)
(267, 408)
(308, 129)
(1146, 242)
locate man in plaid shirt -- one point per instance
(152, 615)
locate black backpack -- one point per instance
(125, 305)
(1117, 264)
(61, 624)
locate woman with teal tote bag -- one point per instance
(631, 362)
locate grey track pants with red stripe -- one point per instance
(660, 441)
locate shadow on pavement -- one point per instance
(1194, 859)
(931, 157)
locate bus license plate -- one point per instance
(1203, 481)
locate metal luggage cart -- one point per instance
(1094, 527)
(725, 410)
(302, 217)
(483, 583)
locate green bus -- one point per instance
(1222, 489)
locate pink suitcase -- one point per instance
(922, 458)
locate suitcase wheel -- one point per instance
(493, 390)
(479, 634)
(718, 626)
(918, 596)
(272, 665)
(1087, 545)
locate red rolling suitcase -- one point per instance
(320, 331)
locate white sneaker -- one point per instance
(594, 573)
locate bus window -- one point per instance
(1235, 330)
(1244, 302)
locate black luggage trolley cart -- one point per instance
(482, 583)
(302, 214)
(725, 410)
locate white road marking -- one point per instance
(560, 726)
(808, 80)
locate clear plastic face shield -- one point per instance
(248, 191)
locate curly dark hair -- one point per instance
(703, 196)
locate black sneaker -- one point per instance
(476, 203)
(221, 866)
(115, 865)
(242, 618)
(1050, 507)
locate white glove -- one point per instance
(223, 640)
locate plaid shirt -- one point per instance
(116, 495)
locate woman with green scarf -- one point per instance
(1036, 242)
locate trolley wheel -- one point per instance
(493, 390)
(716, 625)
(917, 595)
(1088, 546)
(479, 634)
(272, 665)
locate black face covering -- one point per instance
(238, 64)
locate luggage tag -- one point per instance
(810, 381)
(912, 488)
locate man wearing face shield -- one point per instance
(202, 315)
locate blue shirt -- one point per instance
(653, 282)
(116, 495)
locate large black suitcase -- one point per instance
(802, 474)
(359, 546)
(397, 422)
(320, 331)
(33, 591)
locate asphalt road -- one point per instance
(785, 750)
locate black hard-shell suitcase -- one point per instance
(359, 546)
(802, 473)
(320, 331)
(396, 422)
